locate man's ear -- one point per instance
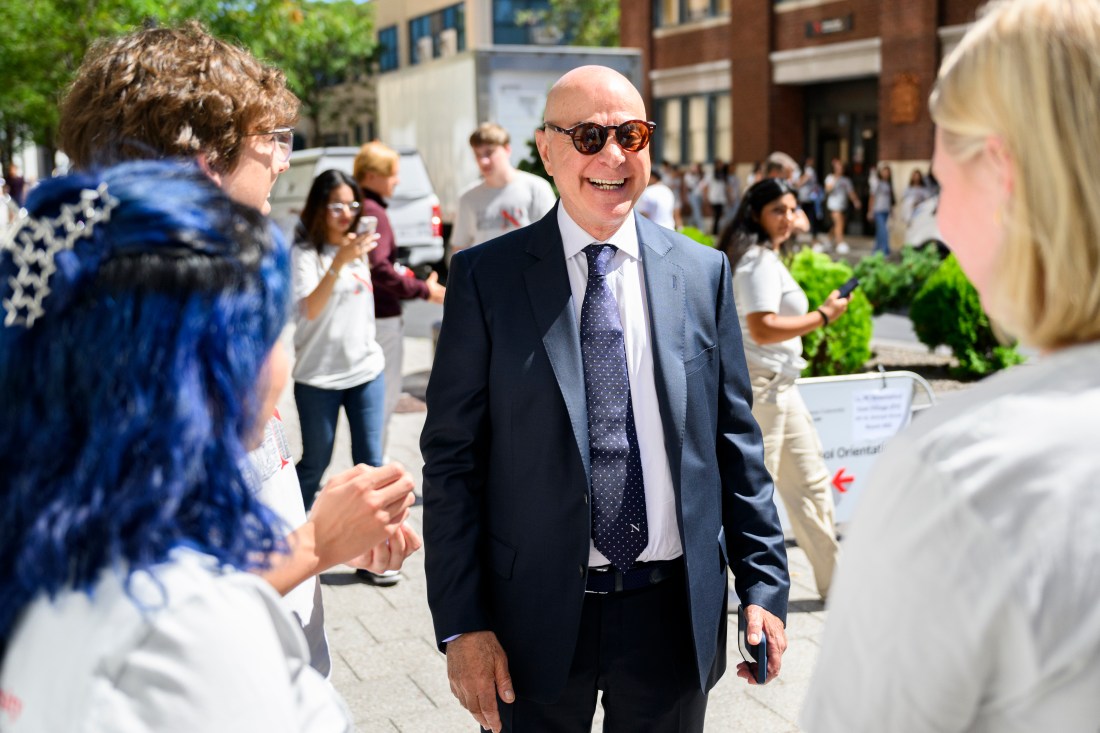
(213, 175)
(543, 145)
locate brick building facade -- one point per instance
(735, 80)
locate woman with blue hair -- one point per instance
(138, 360)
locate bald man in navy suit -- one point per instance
(592, 466)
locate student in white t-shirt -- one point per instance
(505, 199)
(338, 362)
(658, 203)
(772, 310)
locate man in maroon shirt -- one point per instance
(376, 169)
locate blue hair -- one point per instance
(128, 404)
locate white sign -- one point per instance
(854, 416)
(878, 414)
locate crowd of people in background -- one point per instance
(705, 196)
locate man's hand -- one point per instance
(757, 621)
(478, 671)
(436, 292)
(391, 554)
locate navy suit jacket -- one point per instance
(507, 525)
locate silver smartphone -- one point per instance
(367, 225)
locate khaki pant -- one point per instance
(793, 455)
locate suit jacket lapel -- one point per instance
(552, 304)
(665, 294)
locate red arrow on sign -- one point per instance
(840, 481)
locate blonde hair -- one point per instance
(1028, 75)
(374, 157)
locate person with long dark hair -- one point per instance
(139, 361)
(774, 315)
(338, 362)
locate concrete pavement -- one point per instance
(385, 663)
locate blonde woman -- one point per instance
(968, 596)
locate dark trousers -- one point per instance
(318, 410)
(636, 648)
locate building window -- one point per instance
(506, 31)
(676, 12)
(387, 48)
(437, 34)
(695, 129)
(670, 128)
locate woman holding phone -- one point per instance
(772, 310)
(338, 362)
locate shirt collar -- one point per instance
(574, 239)
(369, 194)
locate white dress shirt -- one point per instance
(626, 279)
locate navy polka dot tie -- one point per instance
(619, 527)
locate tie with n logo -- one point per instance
(619, 528)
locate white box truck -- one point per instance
(434, 106)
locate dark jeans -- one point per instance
(318, 410)
(882, 232)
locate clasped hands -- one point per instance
(358, 518)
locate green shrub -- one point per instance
(893, 285)
(698, 236)
(948, 311)
(841, 347)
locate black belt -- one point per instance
(609, 579)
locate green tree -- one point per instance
(317, 44)
(948, 311)
(42, 42)
(578, 22)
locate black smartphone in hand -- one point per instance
(754, 654)
(847, 288)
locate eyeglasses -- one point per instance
(340, 207)
(589, 138)
(283, 137)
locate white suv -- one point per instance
(413, 210)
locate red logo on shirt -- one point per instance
(11, 705)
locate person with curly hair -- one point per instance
(181, 93)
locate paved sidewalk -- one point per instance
(385, 663)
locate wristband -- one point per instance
(331, 273)
(823, 317)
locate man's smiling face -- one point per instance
(598, 191)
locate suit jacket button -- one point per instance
(586, 498)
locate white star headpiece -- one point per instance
(34, 243)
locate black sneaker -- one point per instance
(385, 580)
